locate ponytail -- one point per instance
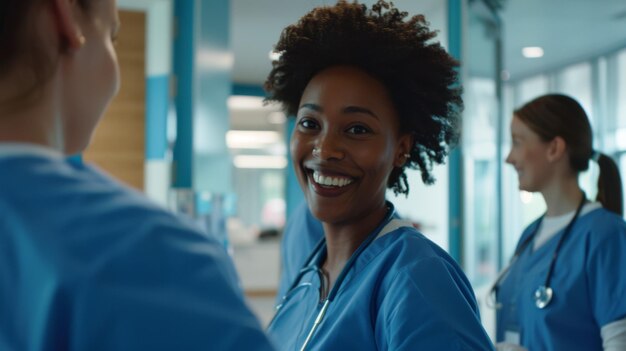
(609, 184)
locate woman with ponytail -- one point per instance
(565, 288)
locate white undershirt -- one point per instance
(614, 336)
(550, 226)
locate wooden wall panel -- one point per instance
(118, 145)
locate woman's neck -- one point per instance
(562, 197)
(343, 239)
(35, 121)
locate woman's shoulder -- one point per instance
(602, 215)
(420, 273)
(603, 227)
(407, 240)
(600, 222)
(408, 250)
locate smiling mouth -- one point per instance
(329, 181)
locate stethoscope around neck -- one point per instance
(544, 293)
(311, 264)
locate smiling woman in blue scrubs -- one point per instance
(565, 288)
(85, 262)
(371, 95)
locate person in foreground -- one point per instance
(372, 95)
(565, 288)
(85, 263)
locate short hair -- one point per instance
(419, 74)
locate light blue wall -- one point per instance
(214, 61)
(157, 105)
(203, 63)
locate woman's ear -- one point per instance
(557, 149)
(405, 145)
(70, 33)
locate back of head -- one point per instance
(559, 115)
(22, 49)
(19, 47)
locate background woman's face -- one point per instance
(528, 156)
(345, 144)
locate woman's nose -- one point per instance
(328, 148)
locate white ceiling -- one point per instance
(569, 31)
(256, 26)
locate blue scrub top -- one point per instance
(403, 293)
(87, 264)
(301, 234)
(588, 280)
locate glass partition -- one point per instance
(482, 165)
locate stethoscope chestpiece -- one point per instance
(543, 296)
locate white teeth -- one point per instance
(330, 181)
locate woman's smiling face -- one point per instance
(346, 143)
(529, 157)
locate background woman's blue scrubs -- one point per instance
(589, 284)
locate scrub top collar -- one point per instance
(371, 249)
(27, 149)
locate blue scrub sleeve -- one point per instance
(286, 268)
(429, 305)
(172, 290)
(606, 270)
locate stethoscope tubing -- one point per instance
(338, 283)
(520, 249)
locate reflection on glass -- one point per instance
(480, 140)
(484, 222)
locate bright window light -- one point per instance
(244, 102)
(532, 52)
(526, 197)
(620, 137)
(276, 117)
(260, 161)
(274, 55)
(252, 139)
(215, 59)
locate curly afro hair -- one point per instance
(419, 75)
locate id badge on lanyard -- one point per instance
(512, 335)
(512, 339)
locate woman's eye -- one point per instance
(307, 123)
(358, 129)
